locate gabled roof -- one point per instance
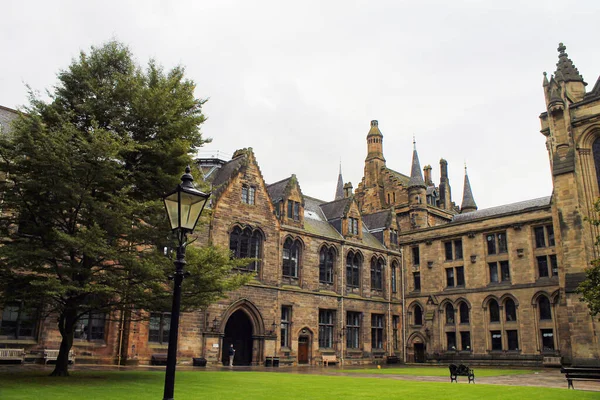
(277, 190)
(227, 171)
(315, 221)
(521, 206)
(378, 220)
(337, 208)
(404, 179)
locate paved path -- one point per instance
(542, 378)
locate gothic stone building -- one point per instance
(392, 268)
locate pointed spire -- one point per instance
(468, 203)
(416, 177)
(545, 83)
(565, 69)
(339, 191)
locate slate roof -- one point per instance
(315, 221)
(339, 191)
(521, 206)
(595, 93)
(277, 190)
(401, 177)
(227, 170)
(416, 176)
(377, 220)
(565, 69)
(336, 208)
(468, 201)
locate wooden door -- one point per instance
(303, 350)
(419, 353)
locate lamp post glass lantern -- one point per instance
(184, 206)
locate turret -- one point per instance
(339, 190)
(417, 192)
(375, 159)
(468, 202)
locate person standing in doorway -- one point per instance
(231, 355)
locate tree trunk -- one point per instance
(66, 326)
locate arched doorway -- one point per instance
(238, 331)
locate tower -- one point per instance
(375, 160)
(572, 128)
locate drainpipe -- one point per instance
(390, 345)
(121, 329)
(403, 283)
(343, 288)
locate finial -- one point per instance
(374, 122)
(465, 167)
(414, 143)
(340, 165)
(561, 49)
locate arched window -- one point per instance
(376, 273)
(510, 310)
(449, 314)
(464, 313)
(246, 243)
(418, 315)
(326, 262)
(545, 309)
(596, 151)
(494, 311)
(291, 257)
(353, 263)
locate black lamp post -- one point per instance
(184, 206)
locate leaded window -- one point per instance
(246, 243)
(160, 325)
(353, 330)
(377, 273)
(376, 331)
(326, 262)
(286, 320)
(353, 264)
(326, 322)
(291, 257)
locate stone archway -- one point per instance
(238, 331)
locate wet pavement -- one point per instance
(540, 378)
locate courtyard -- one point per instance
(109, 382)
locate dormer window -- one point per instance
(293, 210)
(353, 226)
(248, 194)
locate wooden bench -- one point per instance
(12, 355)
(392, 360)
(52, 355)
(580, 374)
(461, 370)
(329, 358)
(158, 359)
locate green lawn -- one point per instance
(480, 372)
(227, 385)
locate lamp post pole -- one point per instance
(184, 206)
(174, 328)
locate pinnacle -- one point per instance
(565, 69)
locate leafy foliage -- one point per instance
(82, 216)
(590, 287)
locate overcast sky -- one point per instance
(299, 82)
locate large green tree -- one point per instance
(590, 287)
(82, 219)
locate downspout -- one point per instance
(343, 288)
(121, 329)
(390, 345)
(403, 283)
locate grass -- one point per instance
(226, 385)
(480, 372)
